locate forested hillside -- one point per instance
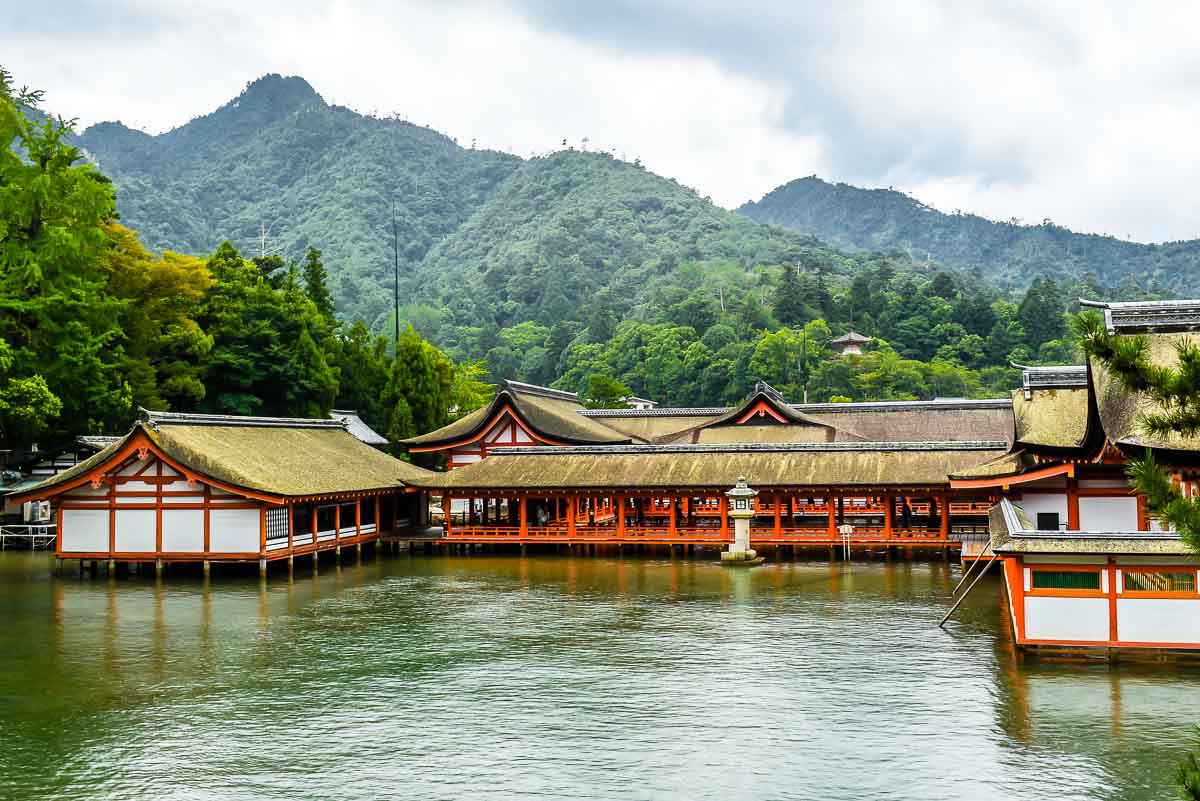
(1008, 254)
(312, 174)
(574, 268)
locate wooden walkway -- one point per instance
(34, 536)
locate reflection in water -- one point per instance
(453, 677)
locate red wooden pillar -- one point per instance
(358, 517)
(262, 530)
(448, 514)
(1112, 599)
(337, 521)
(1072, 504)
(314, 524)
(778, 514)
(571, 518)
(524, 516)
(620, 515)
(671, 516)
(889, 502)
(291, 527)
(832, 508)
(944, 504)
(723, 511)
(378, 522)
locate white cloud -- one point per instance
(1079, 112)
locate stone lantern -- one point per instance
(741, 509)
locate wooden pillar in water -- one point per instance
(888, 502)
(832, 509)
(571, 518)
(778, 514)
(944, 506)
(523, 529)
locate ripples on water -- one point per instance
(559, 678)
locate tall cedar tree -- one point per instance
(790, 308)
(315, 283)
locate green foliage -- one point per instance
(315, 285)
(1187, 773)
(60, 327)
(419, 388)
(605, 392)
(1007, 254)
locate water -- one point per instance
(559, 678)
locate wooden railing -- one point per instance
(690, 534)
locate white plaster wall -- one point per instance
(1047, 502)
(136, 530)
(83, 530)
(463, 458)
(1168, 620)
(183, 530)
(1108, 514)
(233, 530)
(1049, 618)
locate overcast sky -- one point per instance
(1087, 113)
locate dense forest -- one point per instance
(575, 269)
(1009, 254)
(93, 325)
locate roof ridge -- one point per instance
(537, 389)
(946, 445)
(155, 419)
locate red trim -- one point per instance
(760, 408)
(1011, 479)
(505, 410)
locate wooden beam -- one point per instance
(1072, 504)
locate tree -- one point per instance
(418, 393)
(1041, 312)
(791, 307)
(605, 392)
(1176, 393)
(60, 326)
(27, 406)
(315, 283)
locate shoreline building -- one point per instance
(217, 488)
(536, 466)
(1085, 566)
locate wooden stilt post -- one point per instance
(888, 503)
(571, 518)
(832, 509)
(524, 519)
(262, 567)
(944, 505)
(778, 515)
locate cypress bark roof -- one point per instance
(849, 464)
(550, 413)
(273, 456)
(1051, 418)
(1120, 410)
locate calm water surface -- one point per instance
(558, 678)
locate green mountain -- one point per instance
(1008, 254)
(485, 238)
(278, 158)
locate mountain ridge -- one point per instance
(1011, 254)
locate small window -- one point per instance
(1047, 521)
(1154, 581)
(1065, 580)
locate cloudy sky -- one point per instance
(1086, 113)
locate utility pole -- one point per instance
(396, 287)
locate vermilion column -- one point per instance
(832, 515)
(889, 502)
(944, 502)
(723, 510)
(524, 517)
(778, 514)
(571, 518)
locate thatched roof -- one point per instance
(551, 413)
(874, 421)
(272, 456)
(764, 427)
(919, 421)
(1051, 418)
(1007, 464)
(1120, 410)
(851, 464)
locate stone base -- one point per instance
(746, 557)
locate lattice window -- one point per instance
(1155, 581)
(277, 524)
(1065, 580)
